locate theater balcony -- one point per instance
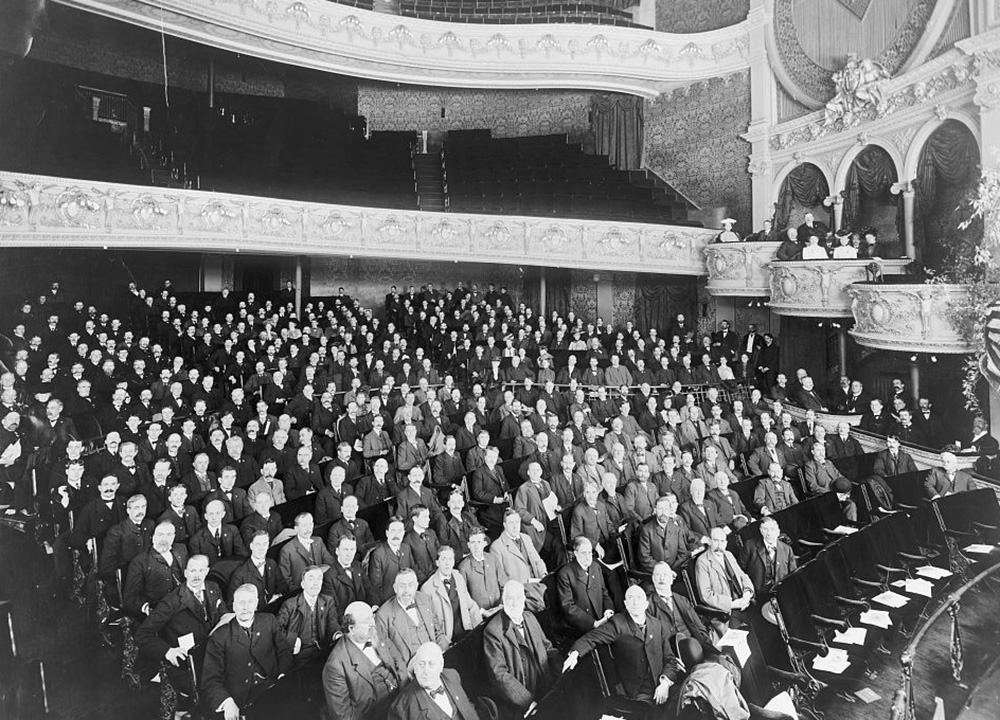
(907, 317)
(818, 288)
(41, 211)
(739, 269)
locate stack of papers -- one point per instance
(868, 695)
(737, 640)
(919, 586)
(892, 599)
(876, 618)
(851, 636)
(979, 549)
(933, 572)
(836, 662)
(783, 704)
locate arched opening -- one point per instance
(947, 172)
(802, 191)
(869, 202)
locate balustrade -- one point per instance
(739, 269)
(818, 288)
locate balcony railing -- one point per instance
(40, 211)
(818, 288)
(907, 317)
(740, 269)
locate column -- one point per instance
(298, 286)
(211, 83)
(906, 188)
(763, 116)
(842, 348)
(542, 290)
(915, 377)
(836, 203)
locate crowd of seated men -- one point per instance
(507, 450)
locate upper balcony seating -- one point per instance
(360, 4)
(595, 12)
(545, 175)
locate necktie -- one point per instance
(437, 691)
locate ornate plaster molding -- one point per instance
(338, 38)
(804, 288)
(739, 269)
(41, 211)
(908, 318)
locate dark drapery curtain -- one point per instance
(949, 160)
(617, 121)
(804, 185)
(658, 299)
(557, 290)
(871, 176)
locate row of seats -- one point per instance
(519, 11)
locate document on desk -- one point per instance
(782, 703)
(933, 572)
(978, 549)
(550, 504)
(844, 530)
(892, 599)
(836, 661)
(876, 618)
(738, 641)
(919, 586)
(851, 636)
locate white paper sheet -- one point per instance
(918, 586)
(892, 599)
(933, 572)
(876, 618)
(737, 640)
(186, 642)
(550, 503)
(978, 549)
(844, 530)
(783, 704)
(836, 661)
(851, 636)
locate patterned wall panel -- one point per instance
(510, 113)
(788, 107)
(369, 279)
(583, 295)
(692, 16)
(707, 312)
(623, 298)
(692, 140)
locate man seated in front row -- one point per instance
(243, 657)
(358, 682)
(720, 581)
(309, 620)
(665, 536)
(646, 665)
(674, 610)
(405, 622)
(435, 693)
(583, 597)
(948, 479)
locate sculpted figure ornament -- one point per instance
(860, 86)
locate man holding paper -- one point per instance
(176, 629)
(537, 505)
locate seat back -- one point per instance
(908, 488)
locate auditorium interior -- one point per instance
(499, 359)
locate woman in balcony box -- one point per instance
(844, 250)
(727, 235)
(813, 250)
(868, 248)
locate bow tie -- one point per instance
(368, 646)
(411, 606)
(437, 691)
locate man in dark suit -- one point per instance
(875, 419)
(351, 524)
(125, 541)
(773, 492)
(665, 536)
(843, 443)
(302, 551)
(766, 454)
(422, 541)
(154, 573)
(673, 610)
(377, 487)
(405, 622)
(647, 671)
(309, 620)
(893, 460)
(189, 609)
(583, 596)
(215, 539)
(820, 473)
(347, 577)
(357, 681)
(768, 560)
(811, 226)
(259, 570)
(701, 516)
(489, 487)
(521, 664)
(243, 656)
(948, 479)
(386, 560)
(436, 694)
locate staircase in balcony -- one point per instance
(664, 195)
(428, 177)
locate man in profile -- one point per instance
(243, 657)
